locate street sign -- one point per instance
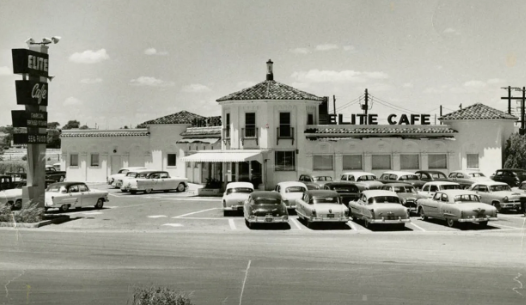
(24, 138)
(31, 93)
(31, 62)
(22, 118)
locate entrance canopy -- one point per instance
(225, 156)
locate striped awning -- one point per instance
(225, 156)
(198, 140)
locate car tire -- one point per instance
(133, 192)
(366, 224)
(18, 205)
(64, 208)
(497, 206)
(422, 213)
(148, 191)
(181, 188)
(61, 179)
(483, 224)
(451, 222)
(99, 204)
(249, 225)
(308, 223)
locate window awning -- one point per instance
(225, 156)
(198, 140)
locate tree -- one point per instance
(53, 125)
(7, 139)
(53, 138)
(71, 124)
(84, 127)
(515, 152)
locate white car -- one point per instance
(12, 198)
(322, 206)
(379, 207)
(235, 195)
(65, 195)
(121, 182)
(149, 181)
(112, 179)
(365, 180)
(291, 192)
(430, 188)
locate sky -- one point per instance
(125, 62)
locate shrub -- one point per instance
(13, 166)
(30, 215)
(159, 296)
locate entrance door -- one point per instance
(115, 164)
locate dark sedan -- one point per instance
(315, 182)
(348, 191)
(431, 175)
(265, 207)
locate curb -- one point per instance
(33, 225)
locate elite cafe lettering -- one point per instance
(372, 119)
(39, 92)
(37, 63)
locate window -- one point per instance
(285, 161)
(188, 164)
(437, 161)
(310, 119)
(171, 159)
(94, 160)
(410, 161)
(473, 160)
(352, 162)
(322, 162)
(83, 188)
(381, 161)
(227, 127)
(74, 160)
(284, 125)
(250, 125)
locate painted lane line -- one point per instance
(232, 224)
(418, 227)
(244, 282)
(157, 216)
(505, 226)
(173, 224)
(201, 211)
(295, 222)
(352, 225)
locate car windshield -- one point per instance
(326, 200)
(322, 178)
(467, 198)
(367, 178)
(141, 175)
(53, 188)
(404, 189)
(383, 199)
(295, 189)
(245, 190)
(343, 189)
(450, 187)
(267, 200)
(476, 175)
(438, 176)
(123, 171)
(499, 188)
(131, 174)
(408, 177)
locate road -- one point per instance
(99, 258)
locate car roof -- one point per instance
(490, 183)
(429, 171)
(398, 173)
(441, 183)
(467, 171)
(457, 192)
(371, 193)
(358, 173)
(316, 193)
(396, 184)
(340, 183)
(67, 184)
(134, 168)
(265, 194)
(239, 184)
(291, 183)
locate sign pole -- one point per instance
(34, 192)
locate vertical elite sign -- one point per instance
(31, 93)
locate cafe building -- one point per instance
(272, 132)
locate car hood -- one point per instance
(410, 196)
(509, 193)
(370, 184)
(11, 193)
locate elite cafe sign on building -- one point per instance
(32, 94)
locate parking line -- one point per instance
(232, 224)
(201, 211)
(352, 225)
(418, 227)
(295, 222)
(156, 216)
(505, 226)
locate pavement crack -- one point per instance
(516, 279)
(9, 282)
(244, 282)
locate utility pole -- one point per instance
(522, 130)
(508, 98)
(440, 113)
(334, 104)
(365, 106)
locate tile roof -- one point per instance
(182, 117)
(478, 112)
(379, 131)
(208, 132)
(198, 140)
(86, 133)
(270, 90)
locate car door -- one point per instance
(73, 196)
(87, 196)
(431, 206)
(445, 207)
(499, 176)
(356, 207)
(483, 192)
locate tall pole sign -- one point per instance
(31, 124)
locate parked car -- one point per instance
(235, 195)
(379, 207)
(513, 177)
(401, 176)
(264, 207)
(11, 192)
(407, 194)
(314, 182)
(290, 192)
(431, 175)
(121, 182)
(348, 191)
(322, 206)
(150, 181)
(121, 173)
(365, 179)
(467, 177)
(55, 175)
(429, 189)
(499, 195)
(65, 195)
(457, 206)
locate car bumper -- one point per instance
(510, 205)
(234, 208)
(477, 220)
(327, 219)
(266, 219)
(389, 221)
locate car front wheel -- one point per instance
(497, 206)
(422, 213)
(450, 222)
(181, 188)
(99, 204)
(64, 208)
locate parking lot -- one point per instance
(184, 211)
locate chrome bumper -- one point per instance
(327, 219)
(390, 221)
(476, 220)
(510, 205)
(265, 219)
(234, 208)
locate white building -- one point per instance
(272, 132)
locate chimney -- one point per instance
(270, 75)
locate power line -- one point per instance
(356, 100)
(392, 106)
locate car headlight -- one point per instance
(505, 199)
